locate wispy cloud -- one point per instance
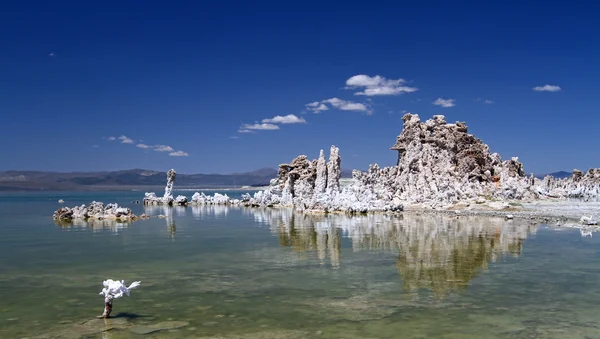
(344, 105)
(288, 119)
(95, 146)
(378, 85)
(347, 105)
(317, 107)
(234, 137)
(163, 148)
(125, 140)
(444, 102)
(243, 130)
(178, 154)
(259, 127)
(547, 88)
(52, 54)
(485, 101)
(157, 148)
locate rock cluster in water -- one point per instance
(315, 186)
(216, 199)
(439, 165)
(96, 211)
(167, 199)
(579, 185)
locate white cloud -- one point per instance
(444, 102)
(260, 127)
(346, 105)
(52, 54)
(378, 85)
(243, 130)
(163, 148)
(125, 140)
(547, 88)
(178, 154)
(288, 119)
(158, 148)
(317, 107)
(340, 104)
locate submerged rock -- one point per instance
(162, 326)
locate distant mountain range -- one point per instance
(144, 179)
(559, 175)
(129, 179)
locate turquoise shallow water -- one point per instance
(218, 272)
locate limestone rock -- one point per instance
(333, 170)
(440, 163)
(170, 181)
(167, 199)
(579, 185)
(181, 200)
(95, 211)
(216, 199)
(321, 179)
(304, 184)
(311, 185)
(439, 166)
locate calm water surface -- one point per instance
(218, 272)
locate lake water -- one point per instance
(219, 272)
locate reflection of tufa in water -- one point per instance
(302, 234)
(201, 212)
(93, 224)
(435, 252)
(166, 212)
(449, 253)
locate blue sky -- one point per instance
(191, 78)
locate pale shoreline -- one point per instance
(557, 212)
